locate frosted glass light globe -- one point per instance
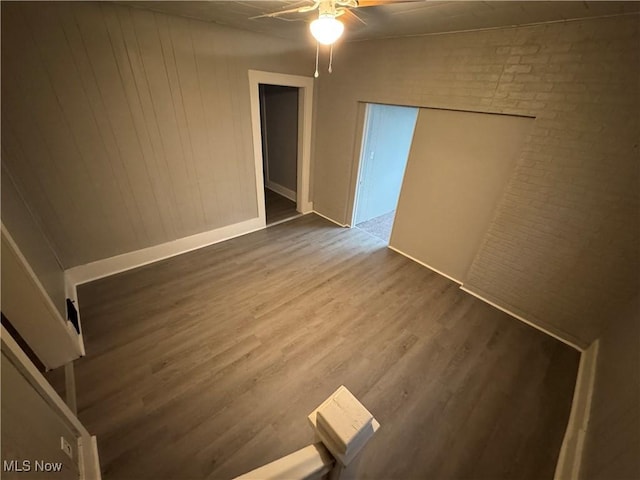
(326, 29)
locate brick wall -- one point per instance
(562, 248)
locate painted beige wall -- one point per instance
(613, 435)
(31, 430)
(458, 165)
(561, 248)
(126, 128)
(281, 121)
(27, 233)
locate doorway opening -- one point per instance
(279, 122)
(303, 88)
(386, 141)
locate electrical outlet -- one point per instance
(66, 447)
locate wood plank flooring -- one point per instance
(207, 364)
(277, 207)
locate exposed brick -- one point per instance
(525, 50)
(533, 59)
(556, 48)
(522, 95)
(566, 58)
(558, 77)
(562, 245)
(518, 69)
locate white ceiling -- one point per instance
(391, 19)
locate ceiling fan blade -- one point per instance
(355, 15)
(375, 3)
(346, 3)
(308, 8)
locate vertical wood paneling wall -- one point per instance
(562, 247)
(125, 128)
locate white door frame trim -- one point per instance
(360, 163)
(305, 115)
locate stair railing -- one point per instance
(342, 427)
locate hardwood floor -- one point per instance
(278, 207)
(207, 364)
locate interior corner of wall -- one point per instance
(571, 455)
(525, 317)
(330, 218)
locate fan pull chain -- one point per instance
(317, 54)
(331, 58)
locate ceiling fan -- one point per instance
(326, 28)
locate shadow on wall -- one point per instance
(613, 435)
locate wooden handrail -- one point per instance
(343, 426)
(309, 463)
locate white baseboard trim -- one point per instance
(570, 459)
(425, 265)
(280, 190)
(343, 225)
(492, 303)
(564, 340)
(127, 261)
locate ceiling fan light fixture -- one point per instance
(326, 29)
